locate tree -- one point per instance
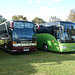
(71, 16)
(2, 19)
(38, 20)
(19, 17)
(54, 18)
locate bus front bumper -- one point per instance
(68, 47)
(22, 49)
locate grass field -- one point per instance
(37, 63)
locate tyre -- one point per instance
(45, 47)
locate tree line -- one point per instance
(2, 19)
(38, 20)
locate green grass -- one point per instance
(37, 63)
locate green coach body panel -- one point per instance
(48, 39)
(53, 44)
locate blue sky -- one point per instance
(36, 8)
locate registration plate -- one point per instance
(26, 50)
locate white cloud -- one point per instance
(50, 3)
(37, 1)
(45, 13)
(30, 2)
(63, 15)
(34, 1)
(44, 1)
(57, 0)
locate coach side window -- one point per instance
(3, 29)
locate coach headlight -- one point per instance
(58, 40)
(15, 44)
(64, 47)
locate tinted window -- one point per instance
(43, 30)
(23, 25)
(24, 30)
(69, 31)
(3, 29)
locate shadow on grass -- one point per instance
(24, 63)
(16, 64)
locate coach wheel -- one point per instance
(45, 47)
